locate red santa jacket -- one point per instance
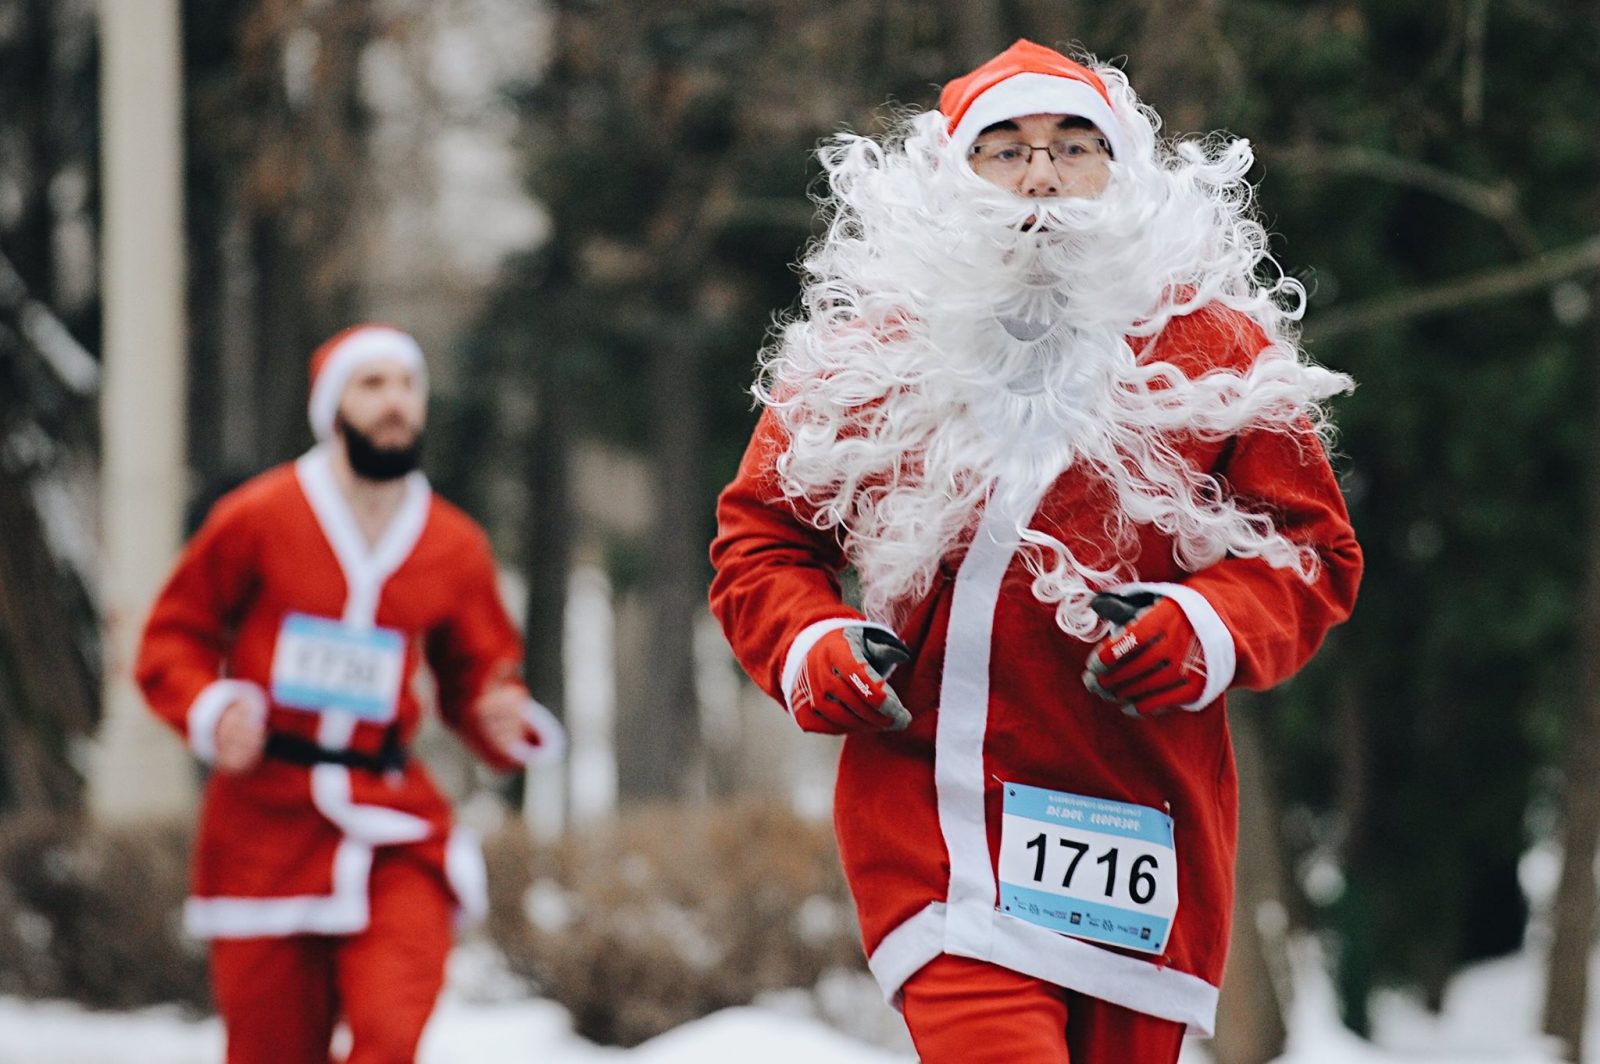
(995, 692)
(287, 847)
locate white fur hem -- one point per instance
(346, 911)
(1067, 962)
(1216, 642)
(206, 711)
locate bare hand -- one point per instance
(499, 711)
(241, 738)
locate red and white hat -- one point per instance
(1027, 79)
(336, 361)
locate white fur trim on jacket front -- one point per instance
(967, 923)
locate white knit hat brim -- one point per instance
(1037, 94)
(360, 348)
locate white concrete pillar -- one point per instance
(140, 770)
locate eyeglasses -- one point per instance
(1010, 158)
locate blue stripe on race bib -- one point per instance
(1101, 815)
(320, 664)
(1086, 919)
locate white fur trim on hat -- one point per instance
(364, 345)
(1037, 94)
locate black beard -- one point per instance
(371, 462)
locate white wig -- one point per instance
(955, 340)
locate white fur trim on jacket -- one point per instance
(1216, 642)
(206, 710)
(967, 924)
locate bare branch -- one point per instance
(1472, 63)
(73, 367)
(1498, 203)
(1542, 270)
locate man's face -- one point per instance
(384, 402)
(1043, 156)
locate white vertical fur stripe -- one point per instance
(963, 723)
(1216, 642)
(374, 825)
(206, 710)
(967, 923)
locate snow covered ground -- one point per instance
(1490, 1015)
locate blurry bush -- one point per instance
(672, 913)
(94, 913)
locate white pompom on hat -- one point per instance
(336, 361)
(1027, 79)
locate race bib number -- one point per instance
(1092, 868)
(321, 664)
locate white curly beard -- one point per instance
(957, 340)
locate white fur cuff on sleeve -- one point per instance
(207, 709)
(808, 637)
(552, 744)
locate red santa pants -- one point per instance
(280, 998)
(963, 1011)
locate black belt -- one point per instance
(300, 751)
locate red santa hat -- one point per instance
(1027, 79)
(336, 361)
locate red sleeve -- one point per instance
(1277, 619)
(775, 573)
(186, 638)
(475, 648)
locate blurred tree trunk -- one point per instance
(667, 757)
(279, 188)
(548, 547)
(48, 651)
(1250, 1025)
(47, 690)
(1572, 915)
